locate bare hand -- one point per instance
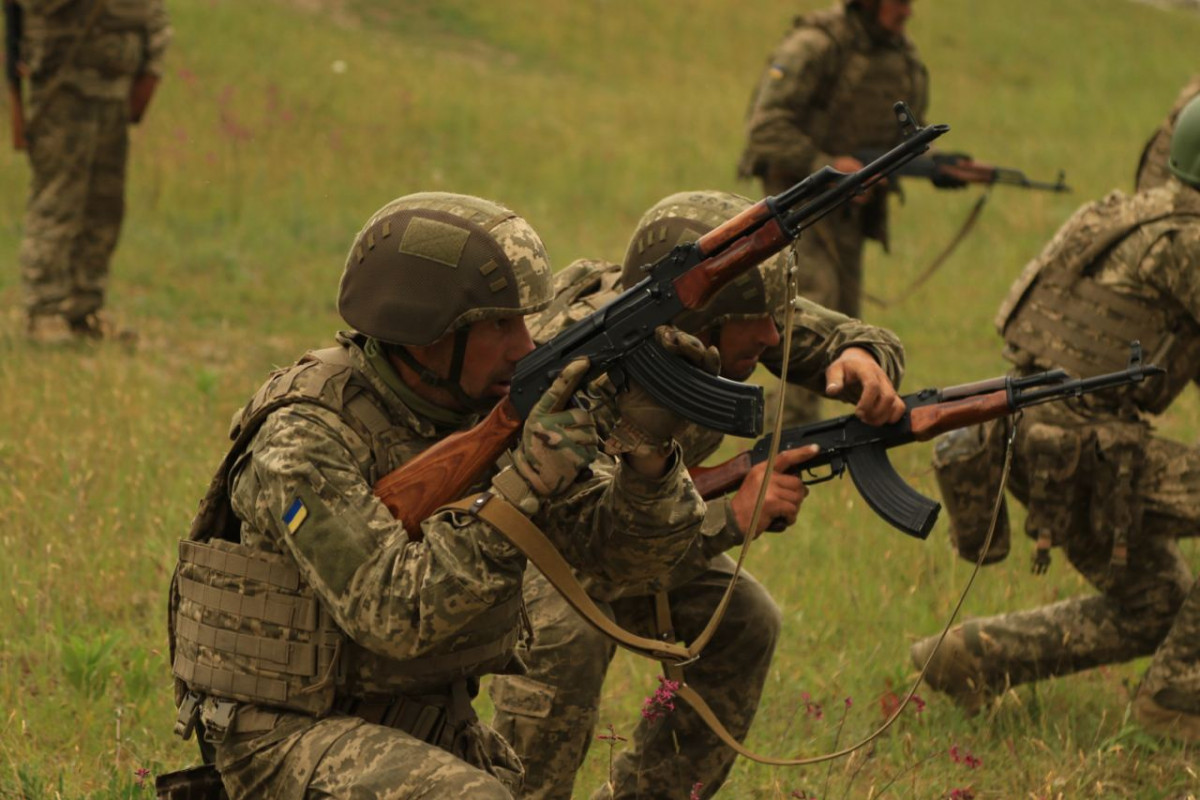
(857, 369)
(784, 495)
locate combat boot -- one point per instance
(1161, 720)
(97, 327)
(955, 670)
(48, 329)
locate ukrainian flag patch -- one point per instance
(294, 517)
(776, 72)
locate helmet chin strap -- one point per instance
(451, 383)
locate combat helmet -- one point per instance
(685, 217)
(1184, 160)
(433, 263)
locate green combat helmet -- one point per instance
(685, 217)
(1184, 161)
(433, 263)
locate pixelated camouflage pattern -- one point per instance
(398, 601)
(1067, 472)
(128, 39)
(969, 466)
(459, 260)
(1152, 168)
(78, 146)
(551, 714)
(1119, 269)
(556, 445)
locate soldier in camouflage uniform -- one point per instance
(828, 92)
(1094, 479)
(92, 66)
(1152, 167)
(550, 714)
(321, 649)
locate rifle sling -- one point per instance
(940, 259)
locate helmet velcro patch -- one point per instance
(434, 240)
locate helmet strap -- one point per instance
(451, 383)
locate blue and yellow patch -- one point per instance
(776, 72)
(294, 517)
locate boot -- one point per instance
(98, 327)
(954, 670)
(48, 329)
(1161, 720)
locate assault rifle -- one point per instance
(956, 170)
(12, 71)
(618, 339)
(846, 443)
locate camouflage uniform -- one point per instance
(550, 714)
(1095, 480)
(78, 142)
(828, 91)
(1152, 168)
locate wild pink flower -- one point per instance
(964, 793)
(811, 708)
(662, 702)
(142, 773)
(611, 736)
(965, 757)
(918, 704)
(695, 794)
(849, 703)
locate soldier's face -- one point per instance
(894, 14)
(741, 343)
(493, 349)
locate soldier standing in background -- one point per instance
(1094, 479)
(1152, 167)
(827, 92)
(320, 648)
(92, 66)
(550, 713)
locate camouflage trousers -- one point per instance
(1149, 605)
(550, 714)
(77, 150)
(344, 756)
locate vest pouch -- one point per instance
(969, 465)
(1116, 507)
(1052, 458)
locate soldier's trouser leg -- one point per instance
(549, 714)
(1130, 618)
(668, 757)
(77, 151)
(346, 757)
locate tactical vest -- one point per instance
(855, 111)
(1058, 315)
(243, 623)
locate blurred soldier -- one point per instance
(322, 649)
(550, 714)
(827, 92)
(1152, 167)
(93, 66)
(1094, 479)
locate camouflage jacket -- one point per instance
(127, 39)
(1119, 269)
(828, 91)
(397, 598)
(1152, 167)
(819, 336)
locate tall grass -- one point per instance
(282, 125)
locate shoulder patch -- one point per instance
(776, 72)
(295, 515)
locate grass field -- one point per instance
(281, 126)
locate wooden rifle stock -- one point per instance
(16, 112)
(712, 482)
(928, 421)
(140, 95)
(445, 472)
(697, 286)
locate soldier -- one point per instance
(827, 92)
(320, 648)
(93, 67)
(550, 713)
(1152, 167)
(1094, 479)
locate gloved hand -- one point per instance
(644, 427)
(557, 442)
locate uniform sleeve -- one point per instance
(778, 127)
(620, 526)
(158, 35)
(301, 485)
(820, 335)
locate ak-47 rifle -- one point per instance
(846, 443)
(956, 170)
(618, 339)
(12, 71)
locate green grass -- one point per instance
(259, 161)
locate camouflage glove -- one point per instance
(557, 443)
(644, 427)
